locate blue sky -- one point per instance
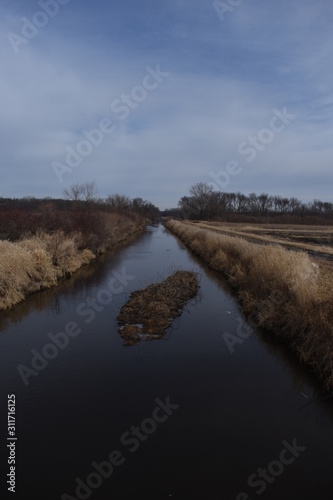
(226, 73)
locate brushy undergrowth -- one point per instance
(280, 291)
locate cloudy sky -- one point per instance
(147, 98)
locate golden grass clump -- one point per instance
(280, 290)
(37, 263)
(23, 270)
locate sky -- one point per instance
(147, 98)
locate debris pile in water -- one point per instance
(150, 311)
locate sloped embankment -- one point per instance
(38, 262)
(150, 311)
(281, 291)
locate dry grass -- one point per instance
(281, 291)
(150, 311)
(38, 262)
(313, 239)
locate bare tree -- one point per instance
(265, 203)
(254, 203)
(74, 192)
(201, 198)
(295, 205)
(86, 192)
(241, 203)
(89, 191)
(281, 205)
(119, 202)
(187, 208)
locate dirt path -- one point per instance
(324, 252)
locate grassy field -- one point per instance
(288, 293)
(317, 239)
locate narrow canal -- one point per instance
(212, 411)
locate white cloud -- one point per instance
(261, 58)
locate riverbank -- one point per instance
(281, 291)
(40, 261)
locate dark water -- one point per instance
(180, 418)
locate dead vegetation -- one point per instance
(37, 262)
(317, 239)
(150, 311)
(281, 291)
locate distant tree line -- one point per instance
(80, 210)
(205, 203)
(84, 196)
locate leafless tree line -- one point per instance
(205, 203)
(82, 196)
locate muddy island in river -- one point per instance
(150, 311)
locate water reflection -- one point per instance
(234, 409)
(82, 282)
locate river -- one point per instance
(213, 411)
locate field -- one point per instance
(314, 239)
(282, 288)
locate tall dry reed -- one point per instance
(278, 289)
(37, 263)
